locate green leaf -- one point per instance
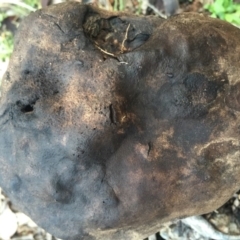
(233, 18)
(226, 10)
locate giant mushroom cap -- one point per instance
(111, 124)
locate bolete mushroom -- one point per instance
(112, 124)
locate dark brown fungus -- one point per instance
(162, 97)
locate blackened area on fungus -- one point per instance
(200, 89)
(188, 132)
(210, 44)
(190, 98)
(63, 192)
(103, 145)
(187, 105)
(37, 79)
(63, 187)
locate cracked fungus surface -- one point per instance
(112, 128)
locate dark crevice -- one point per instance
(63, 193)
(113, 117)
(58, 26)
(4, 117)
(4, 113)
(48, 15)
(27, 109)
(3, 122)
(149, 148)
(27, 72)
(55, 18)
(104, 180)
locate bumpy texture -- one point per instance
(111, 124)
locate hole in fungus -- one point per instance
(27, 109)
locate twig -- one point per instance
(125, 38)
(205, 228)
(108, 53)
(157, 11)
